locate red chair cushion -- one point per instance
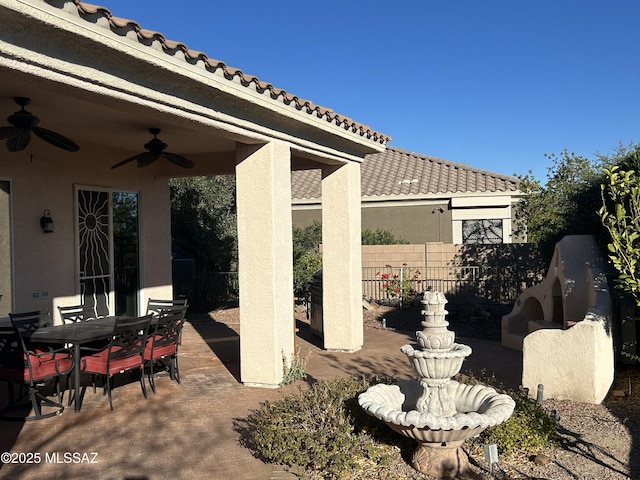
(97, 363)
(51, 368)
(41, 368)
(159, 352)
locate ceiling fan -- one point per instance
(155, 149)
(23, 123)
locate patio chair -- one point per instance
(124, 353)
(163, 344)
(29, 322)
(155, 306)
(77, 313)
(31, 366)
(81, 313)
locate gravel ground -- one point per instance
(596, 441)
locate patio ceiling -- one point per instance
(93, 120)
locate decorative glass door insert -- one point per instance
(95, 249)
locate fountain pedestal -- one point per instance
(436, 411)
(444, 458)
(441, 460)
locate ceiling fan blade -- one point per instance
(147, 158)
(178, 160)
(7, 132)
(143, 159)
(19, 142)
(125, 161)
(56, 139)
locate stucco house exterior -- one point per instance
(422, 199)
(102, 82)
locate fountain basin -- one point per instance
(437, 363)
(477, 407)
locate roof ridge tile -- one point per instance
(392, 172)
(230, 73)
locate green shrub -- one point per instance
(316, 429)
(530, 427)
(381, 237)
(294, 371)
(307, 258)
(303, 269)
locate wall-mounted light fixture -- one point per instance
(46, 222)
(440, 211)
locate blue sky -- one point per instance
(492, 84)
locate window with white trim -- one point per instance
(485, 231)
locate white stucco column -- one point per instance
(265, 256)
(341, 258)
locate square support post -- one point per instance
(342, 258)
(265, 261)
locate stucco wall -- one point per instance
(302, 218)
(5, 250)
(575, 364)
(412, 223)
(415, 255)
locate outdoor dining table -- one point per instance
(76, 334)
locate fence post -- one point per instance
(401, 287)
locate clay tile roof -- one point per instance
(305, 184)
(400, 172)
(122, 26)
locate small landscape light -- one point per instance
(540, 393)
(491, 455)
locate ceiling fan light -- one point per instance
(155, 149)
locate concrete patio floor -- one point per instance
(192, 430)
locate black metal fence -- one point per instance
(214, 291)
(497, 284)
(383, 283)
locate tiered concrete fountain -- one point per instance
(437, 412)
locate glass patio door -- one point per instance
(108, 255)
(126, 253)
